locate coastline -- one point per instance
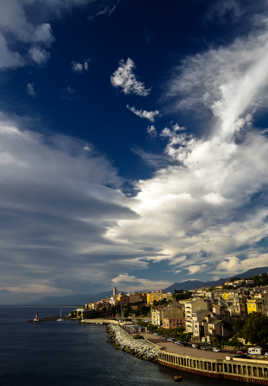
(227, 367)
(140, 348)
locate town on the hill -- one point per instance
(232, 316)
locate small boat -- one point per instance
(36, 318)
(60, 318)
(177, 378)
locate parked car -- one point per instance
(216, 349)
(254, 350)
(266, 354)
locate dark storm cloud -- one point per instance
(55, 210)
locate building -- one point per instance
(134, 298)
(196, 306)
(172, 323)
(156, 316)
(254, 305)
(154, 296)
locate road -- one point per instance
(177, 349)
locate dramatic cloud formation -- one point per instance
(207, 210)
(150, 115)
(56, 203)
(125, 78)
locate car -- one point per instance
(178, 342)
(239, 352)
(216, 349)
(266, 354)
(169, 340)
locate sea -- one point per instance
(70, 354)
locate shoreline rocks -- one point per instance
(125, 342)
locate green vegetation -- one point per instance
(255, 329)
(182, 295)
(162, 302)
(261, 279)
(177, 333)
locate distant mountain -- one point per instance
(185, 285)
(80, 299)
(252, 272)
(194, 284)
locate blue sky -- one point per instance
(133, 144)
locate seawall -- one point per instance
(242, 371)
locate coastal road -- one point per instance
(177, 349)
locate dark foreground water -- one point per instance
(70, 354)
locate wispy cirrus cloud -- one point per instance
(125, 78)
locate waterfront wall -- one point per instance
(138, 347)
(236, 370)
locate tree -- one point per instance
(255, 329)
(182, 295)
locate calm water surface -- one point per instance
(70, 354)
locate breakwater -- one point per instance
(138, 347)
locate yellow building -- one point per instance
(225, 295)
(254, 305)
(154, 296)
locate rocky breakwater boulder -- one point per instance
(138, 347)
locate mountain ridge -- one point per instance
(194, 284)
(81, 299)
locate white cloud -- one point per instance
(151, 130)
(210, 202)
(125, 78)
(43, 288)
(43, 34)
(195, 268)
(150, 115)
(230, 264)
(26, 22)
(80, 67)
(132, 283)
(39, 55)
(31, 89)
